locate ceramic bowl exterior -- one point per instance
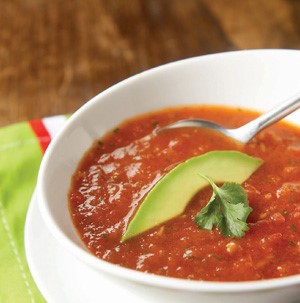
(257, 79)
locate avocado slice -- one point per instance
(171, 194)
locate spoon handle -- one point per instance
(279, 112)
(270, 117)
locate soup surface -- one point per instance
(119, 170)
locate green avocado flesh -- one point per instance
(172, 193)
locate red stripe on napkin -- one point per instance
(41, 133)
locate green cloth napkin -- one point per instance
(21, 149)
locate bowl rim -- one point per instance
(131, 274)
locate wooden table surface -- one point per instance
(55, 55)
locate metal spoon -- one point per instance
(246, 132)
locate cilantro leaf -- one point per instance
(227, 209)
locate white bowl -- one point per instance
(257, 79)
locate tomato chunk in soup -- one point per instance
(119, 169)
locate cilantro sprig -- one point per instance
(227, 209)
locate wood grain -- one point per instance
(55, 55)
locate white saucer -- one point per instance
(60, 277)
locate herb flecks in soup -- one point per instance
(119, 170)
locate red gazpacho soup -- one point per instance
(117, 172)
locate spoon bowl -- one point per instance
(246, 132)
